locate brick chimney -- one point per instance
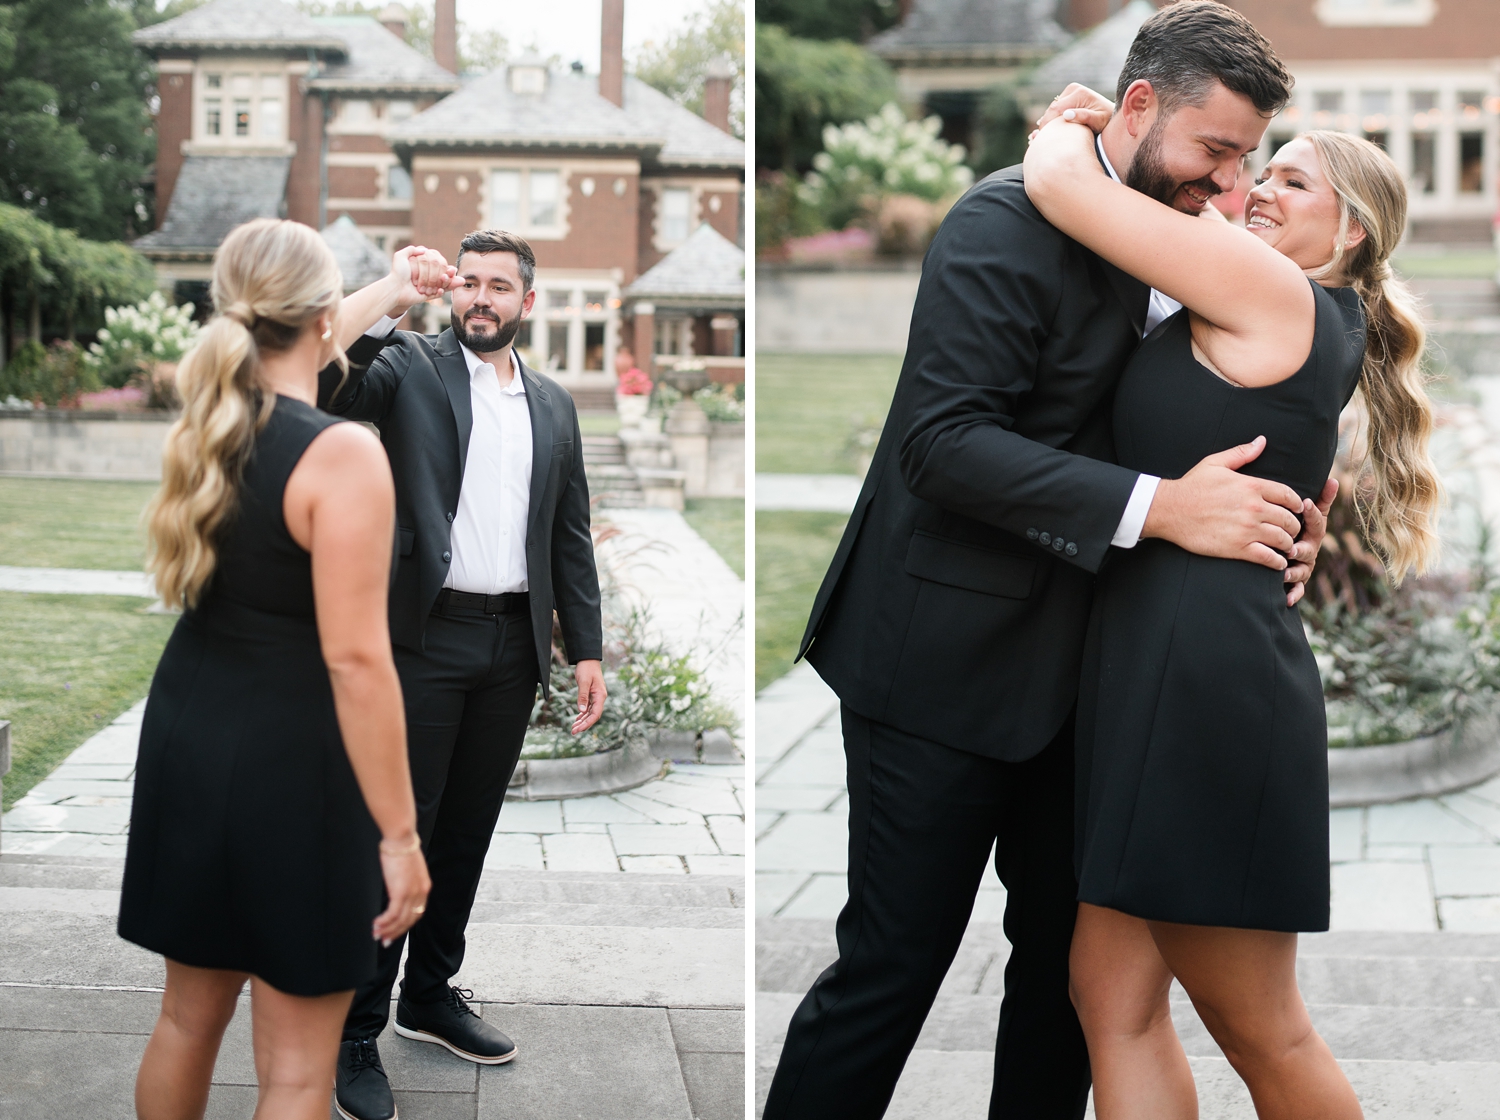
(717, 83)
(445, 35)
(393, 17)
(1083, 14)
(612, 52)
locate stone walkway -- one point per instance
(76, 581)
(818, 493)
(1413, 1013)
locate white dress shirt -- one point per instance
(488, 540)
(489, 526)
(1128, 535)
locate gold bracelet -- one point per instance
(410, 850)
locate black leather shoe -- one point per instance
(450, 1023)
(361, 1090)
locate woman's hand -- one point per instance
(406, 885)
(419, 274)
(1059, 165)
(1086, 106)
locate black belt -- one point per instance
(511, 602)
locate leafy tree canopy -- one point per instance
(801, 85)
(678, 65)
(829, 19)
(75, 132)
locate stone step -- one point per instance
(1413, 1017)
(1447, 299)
(624, 993)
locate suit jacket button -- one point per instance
(447, 556)
(1072, 549)
(1031, 534)
(1044, 539)
(1058, 543)
(450, 517)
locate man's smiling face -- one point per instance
(490, 304)
(1194, 152)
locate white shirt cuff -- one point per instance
(1128, 535)
(382, 328)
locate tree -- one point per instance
(829, 19)
(801, 85)
(1001, 130)
(75, 132)
(677, 66)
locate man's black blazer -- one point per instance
(415, 388)
(956, 605)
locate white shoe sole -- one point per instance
(350, 1116)
(428, 1036)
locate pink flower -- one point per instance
(633, 383)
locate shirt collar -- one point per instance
(1099, 146)
(516, 388)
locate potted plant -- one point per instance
(632, 397)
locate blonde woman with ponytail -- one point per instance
(273, 804)
(1201, 765)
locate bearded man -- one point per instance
(492, 514)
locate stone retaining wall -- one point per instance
(842, 311)
(73, 444)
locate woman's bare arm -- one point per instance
(1253, 307)
(417, 274)
(340, 505)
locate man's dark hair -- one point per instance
(500, 241)
(1186, 47)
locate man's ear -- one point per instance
(528, 301)
(1138, 107)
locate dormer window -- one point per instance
(528, 77)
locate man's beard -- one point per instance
(505, 332)
(1148, 171)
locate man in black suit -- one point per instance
(492, 513)
(951, 621)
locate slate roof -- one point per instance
(213, 195)
(570, 114)
(1095, 58)
(378, 60)
(359, 260)
(240, 25)
(706, 268)
(972, 29)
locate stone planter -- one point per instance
(1453, 759)
(552, 779)
(632, 408)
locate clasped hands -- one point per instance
(417, 275)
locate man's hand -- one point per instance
(1214, 511)
(1305, 551)
(418, 274)
(591, 694)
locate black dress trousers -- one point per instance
(922, 820)
(469, 697)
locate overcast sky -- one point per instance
(570, 28)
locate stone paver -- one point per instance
(1410, 1006)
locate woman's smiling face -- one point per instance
(1294, 209)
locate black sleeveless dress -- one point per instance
(250, 845)
(1202, 778)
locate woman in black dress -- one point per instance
(272, 797)
(1202, 782)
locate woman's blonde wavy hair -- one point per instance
(1400, 495)
(271, 279)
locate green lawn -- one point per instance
(599, 423)
(1481, 264)
(72, 523)
(809, 413)
(809, 409)
(69, 664)
(721, 522)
